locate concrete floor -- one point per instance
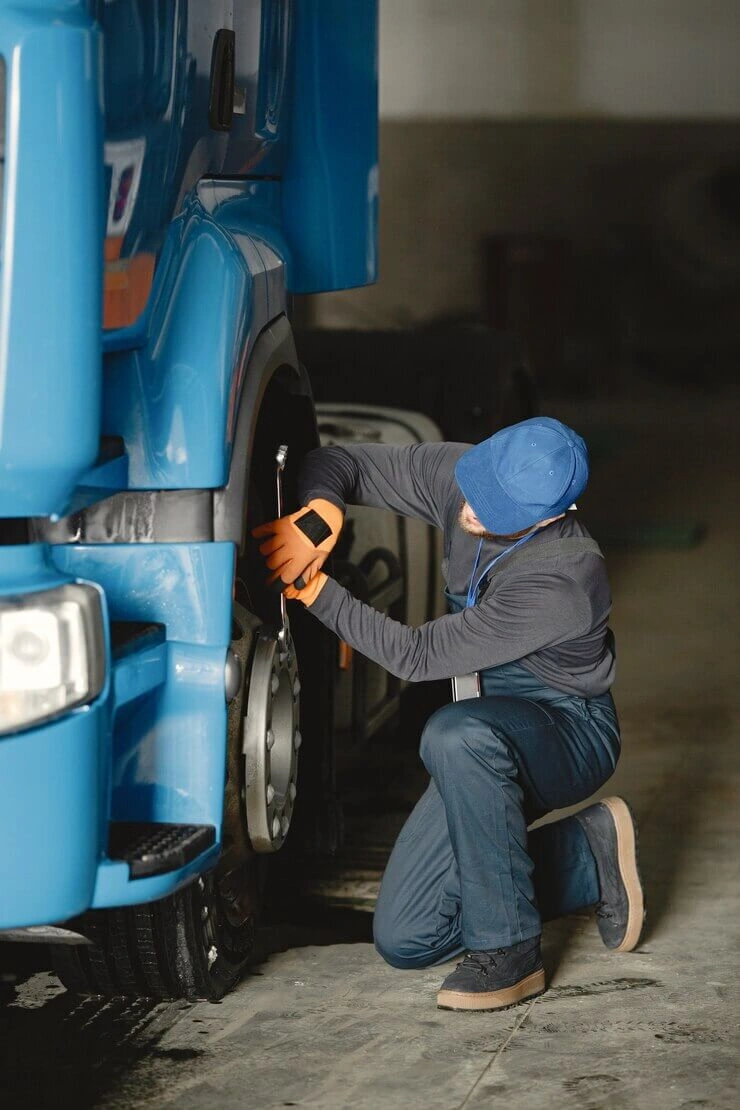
(325, 1023)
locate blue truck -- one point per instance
(173, 171)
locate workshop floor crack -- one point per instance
(498, 1054)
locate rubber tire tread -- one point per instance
(95, 956)
(172, 956)
(87, 969)
(134, 953)
(146, 951)
(151, 923)
(194, 980)
(123, 953)
(68, 968)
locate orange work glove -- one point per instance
(310, 592)
(298, 545)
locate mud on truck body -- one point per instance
(175, 169)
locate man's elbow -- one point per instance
(415, 665)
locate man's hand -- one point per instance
(298, 545)
(310, 592)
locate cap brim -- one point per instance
(489, 501)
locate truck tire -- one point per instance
(180, 947)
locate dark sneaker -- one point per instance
(612, 834)
(494, 980)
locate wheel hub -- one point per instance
(270, 741)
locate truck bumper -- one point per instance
(50, 819)
(150, 751)
(59, 787)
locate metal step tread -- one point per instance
(152, 848)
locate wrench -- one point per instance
(284, 631)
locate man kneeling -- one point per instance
(529, 606)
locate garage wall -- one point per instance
(639, 59)
(554, 117)
(445, 186)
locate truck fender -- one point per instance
(273, 352)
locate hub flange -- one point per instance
(270, 742)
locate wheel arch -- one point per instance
(273, 375)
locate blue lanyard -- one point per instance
(473, 589)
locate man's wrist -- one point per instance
(328, 496)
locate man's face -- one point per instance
(469, 523)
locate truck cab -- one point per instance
(172, 173)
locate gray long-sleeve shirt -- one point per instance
(551, 614)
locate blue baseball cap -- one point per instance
(524, 473)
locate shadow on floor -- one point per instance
(72, 1052)
(57, 1050)
(306, 923)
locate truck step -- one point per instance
(152, 848)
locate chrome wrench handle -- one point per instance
(280, 459)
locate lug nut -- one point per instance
(275, 827)
(269, 739)
(284, 826)
(274, 684)
(296, 686)
(212, 955)
(292, 792)
(270, 793)
(297, 740)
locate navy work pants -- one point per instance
(465, 873)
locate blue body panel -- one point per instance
(113, 887)
(50, 819)
(330, 182)
(53, 816)
(28, 567)
(168, 711)
(52, 267)
(172, 389)
(157, 68)
(184, 586)
(152, 748)
(107, 138)
(321, 222)
(169, 742)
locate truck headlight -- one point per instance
(52, 654)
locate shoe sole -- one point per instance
(624, 824)
(530, 987)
